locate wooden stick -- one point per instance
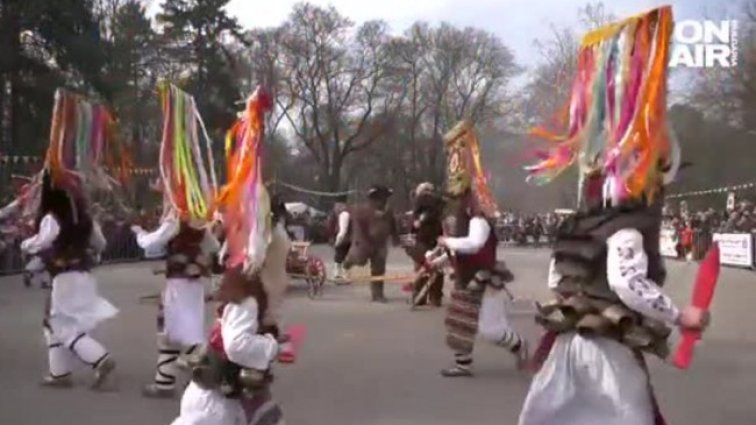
(388, 278)
(156, 298)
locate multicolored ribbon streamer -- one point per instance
(82, 143)
(617, 110)
(82, 149)
(244, 199)
(188, 189)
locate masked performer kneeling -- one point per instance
(66, 236)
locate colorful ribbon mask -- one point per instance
(617, 109)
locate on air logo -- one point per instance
(705, 44)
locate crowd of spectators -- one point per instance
(740, 218)
(511, 227)
(115, 223)
(694, 230)
(514, 228)
(527, 229)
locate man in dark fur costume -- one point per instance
(373, 226)
(427, 227)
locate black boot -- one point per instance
(376, 290)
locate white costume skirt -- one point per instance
(184, 311)
(35, 265)
(493, 320)
(589, 381)
(75, 305)
(207, 407)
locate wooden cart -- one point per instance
(300, 264)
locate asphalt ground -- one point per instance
(370, 364)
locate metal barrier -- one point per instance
(702, 241)
(122, 245)
(11, 259)
(735, 252)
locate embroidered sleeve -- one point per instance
(240, 339)
(627, 265)
(158, 239)
(474, 241)
(48, 231)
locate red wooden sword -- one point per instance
(703, 292)
(295, 335)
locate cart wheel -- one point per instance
(315, 273)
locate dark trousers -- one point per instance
(377, 260)
(377, 268)
(340, 252)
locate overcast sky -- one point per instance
(517, 22)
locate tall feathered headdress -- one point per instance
(244, 199)
(464, 168)
(617, 111)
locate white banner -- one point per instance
(735, 249)
(731, 201)
(668, 242)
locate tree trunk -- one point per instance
(15, 80)
(3, 42)
(12, 81)
(436, 154)
(333, 183)
(2, 108)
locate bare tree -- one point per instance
(729, 94)
(264, 67)
(331, 76)
(443, 74)
(548, 89)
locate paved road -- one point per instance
(366, 364)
